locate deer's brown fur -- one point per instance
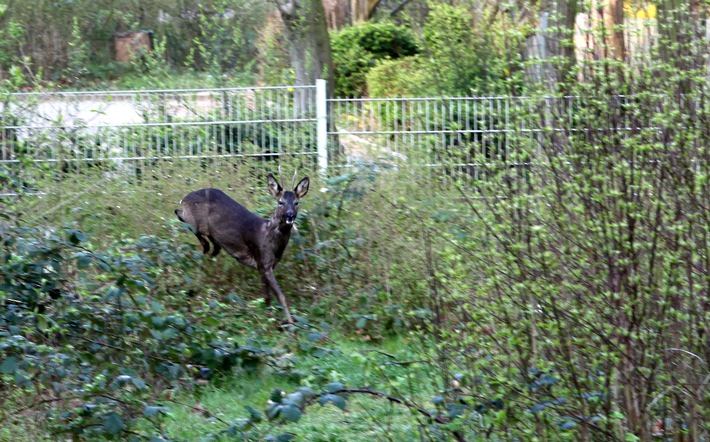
(257, 242)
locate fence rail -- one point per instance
(127, 130)
(123, 130)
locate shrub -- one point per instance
(358, 48)
(403, 77)
(463, 60)
(99, 335)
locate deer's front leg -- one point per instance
(266, 291)
(267, 275)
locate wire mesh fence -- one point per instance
(139, 133)
(132, 133)
(429, 132)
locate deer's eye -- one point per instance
(295, 203)
(281, 203)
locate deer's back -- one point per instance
(213, 213)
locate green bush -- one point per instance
(402, 77)
(462, 59)
(357, 49)
(90, 329)
(458, 59)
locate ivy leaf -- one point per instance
(547, 380)
(456, 410)
(334, 387)
(151, 410)
(361, 323)
(83, 260)
(102, 264)
(568, 425)
(211, 321)
(255, 415)
(76, 237)
(42, 324)
(291, 412)
(272, 412)
(9, 365)
(233, 430)
(137, 284)
(22, 380)
(123, 379)
(296, 399)
(307, 392)
(334, 399)
(315, 336)
(139, 383)
(113, 424)
(537, 408)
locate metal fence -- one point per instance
(46, 133)
(130, 131)
(422, 131)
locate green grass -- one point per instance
(355, 364)
(24, 429)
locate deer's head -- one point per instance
(287, 208)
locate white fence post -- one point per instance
(322, 126)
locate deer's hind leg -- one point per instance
(204, 242)
(267, 296)
(216, 248)
(202, 238)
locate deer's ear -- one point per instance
(302, 188)
(274, 186)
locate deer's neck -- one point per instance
(278, 228)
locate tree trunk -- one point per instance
(362, 10)
(553, 40)
(612, 15)
(606, 23)
(306, 30)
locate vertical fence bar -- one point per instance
(322, 126)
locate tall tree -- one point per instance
(309, 43)
(362, 10)
(552, 43)
(610, 16)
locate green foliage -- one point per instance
(70, 43)
(225, 43)
(78, 56)
(403, 77)
(357, 49)
(570, 261)
(10, 35)
(463, 60)
(460, 57)
(87, 327)
(556, 289)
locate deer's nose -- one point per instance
(290, 217)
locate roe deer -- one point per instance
(253, 241)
